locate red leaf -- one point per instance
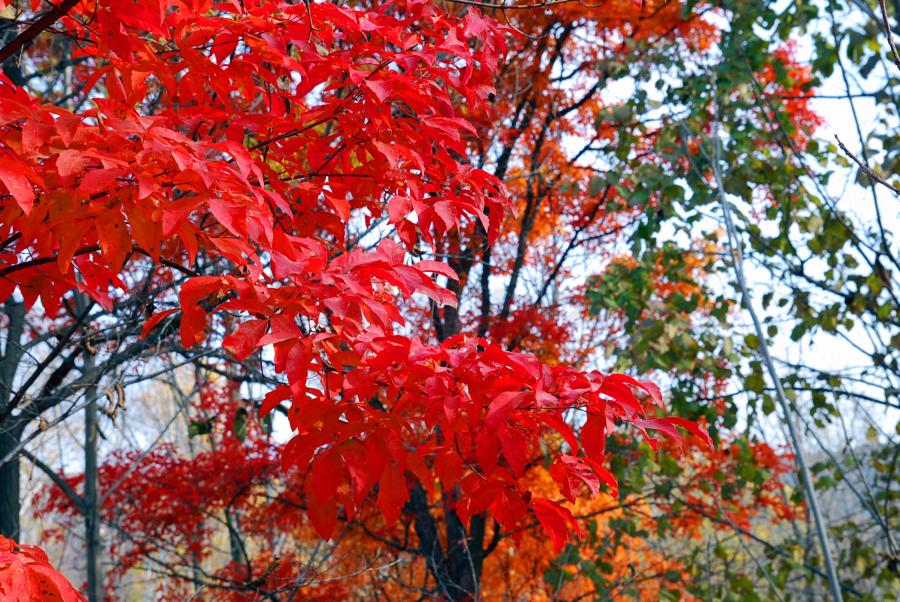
(193, 319)
(593, 436)
(230, 214)
(398, 208)
(155, 319)
(652, 390)
(561, 427)
(605, 475)
(693, 428)
(502, 406)
(18, 185)
(323, 517)
(392, 493)
(438, 267)
(514, 449)
(661, 425)
(406, 230)
(273, 398)
(667, 425)
(381, 88)
(243, 341)
(70, 162)
(580, 469)
(324, 476)
(555, 520)
(26, 576)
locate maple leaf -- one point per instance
(26, 575)
(556, 521)
(12, 176)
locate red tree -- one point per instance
(169, 508)
(242, 144)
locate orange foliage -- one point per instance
(795, 93)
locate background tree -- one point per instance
(811, 250)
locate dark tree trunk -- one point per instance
(9, 482)
(10, 428)
(465, 554)
(93, 541)
(456, 570)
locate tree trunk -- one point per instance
(9, 484)
(232, 516)
(93, 542)
(11, 428)
(456, 570)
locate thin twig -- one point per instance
(890, 36)
(866, 170)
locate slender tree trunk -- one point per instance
(457, 569)
(232, 517)
(809, 487)
(92, 510)
(9, 484)
(11, 428)
(93, 541)
(465, 555)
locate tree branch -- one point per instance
(77, 500)
(35, 29)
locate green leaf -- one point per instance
(200, 427)
(871, 434)
(239, 425)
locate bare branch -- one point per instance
(35, 29)
(890, 36)
(866, 170)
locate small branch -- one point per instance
(866, 170)
(168, 263)
(35, 29)
(890, 36)
(45, 260)
(60, 482)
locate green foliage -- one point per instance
(822, 270)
